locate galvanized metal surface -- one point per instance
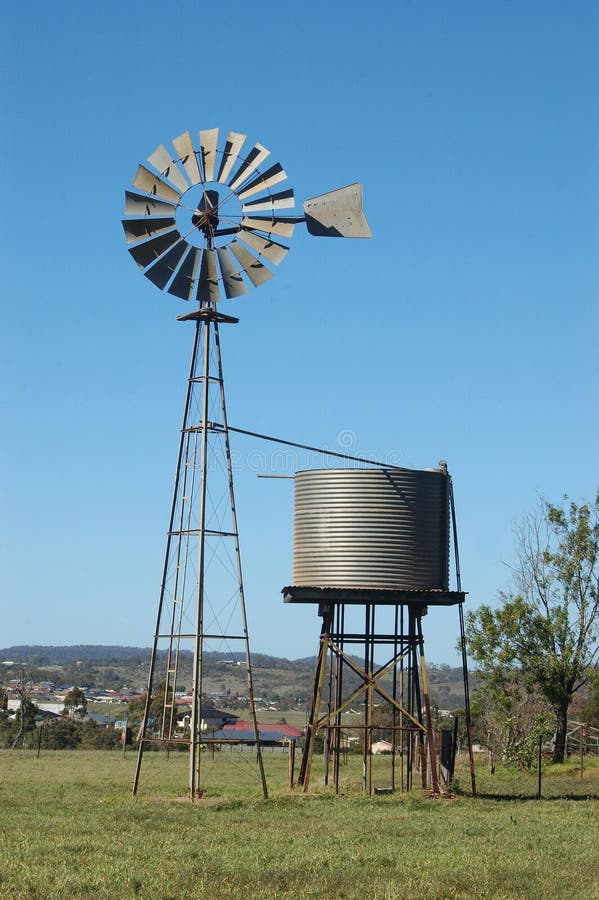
(148, 252)
(270, 250)
(282, 200)
(208, 290)
(152, 184)
(253, 268)
(270, 226)
(208, 143)
(136, 229)
(337, 213)
(187, 157)
(232, 149)
(272, 176)
(232, 280)
(184, 281)
(371, 528)
(142, 205)
(255, 158)
(162, 160)
(162, 270)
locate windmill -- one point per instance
(207, 223)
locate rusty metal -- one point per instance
(432, 751)
(335, 642)
(464, 654)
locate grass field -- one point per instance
(70, 828)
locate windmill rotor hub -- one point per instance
(206, 221)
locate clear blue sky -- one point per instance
(466, 329)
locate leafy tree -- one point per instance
(136, 707)
(545, 631)
(589, 711)
(60, 734)
(99, 737)
(510, 716)
(75, 703)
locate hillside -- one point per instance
(286, 683)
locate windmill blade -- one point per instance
(208, 143)
(152, 184)
(337, 214)
(148, 252)
(255, 157)
(183, 283)
(232, 149)
(271, 226)
(140, 205)
(161, 272)
(163, 161)
(283, 200)
(272, 176)
(251, 265)
(187, 156)
(208, 291)
(232, 280)
(136, 229)
(270, 250)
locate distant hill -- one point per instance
(44, 655)
(278, 680)
(50, 655)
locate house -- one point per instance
(211, 719)
(382, 747)
(274, 736)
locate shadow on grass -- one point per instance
(525, 798)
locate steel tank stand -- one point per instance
(401, 682)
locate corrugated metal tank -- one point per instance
(371, 528)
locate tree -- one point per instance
(27, 709)
(510, 716)
(75, 703)
(546, 629)
(60, 734)
(590, 706)
(136, 708)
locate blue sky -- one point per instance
(466, 329)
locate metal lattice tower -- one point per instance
(202, 601)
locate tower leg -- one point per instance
(306, 766)
(432, 752)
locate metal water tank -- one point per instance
(371, 528)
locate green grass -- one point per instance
(70, 828)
